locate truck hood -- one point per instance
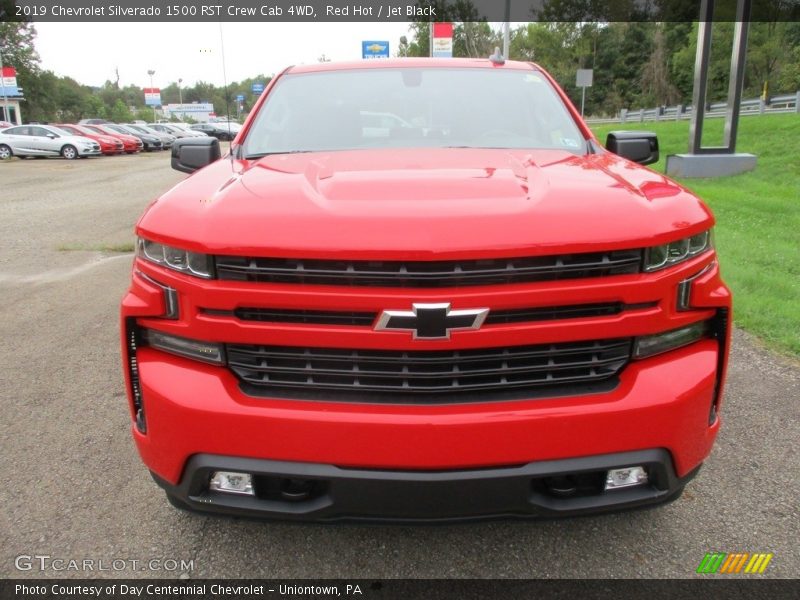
(423, 203)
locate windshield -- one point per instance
(406, 108)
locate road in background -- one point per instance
(74, 488)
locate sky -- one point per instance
(192, 51)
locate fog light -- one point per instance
(232, 483)
(206, 351)
(622, 478)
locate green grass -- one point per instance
(758, 220)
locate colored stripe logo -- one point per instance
(739, 562)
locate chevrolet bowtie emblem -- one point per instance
(431, 321)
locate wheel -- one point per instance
(5, 152)
(69, 152)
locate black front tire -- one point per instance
(5, 152)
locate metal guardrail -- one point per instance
(789, 103)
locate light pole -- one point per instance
(180, 94)
(151, 72)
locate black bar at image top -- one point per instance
(385, 10)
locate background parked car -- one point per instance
(222, 131)
(166, 139)
(130, 143)
(174, 131)
(149, 141)
(4, 124)
(108, 145)
(187, 127)
(45, 140)
(92, 122)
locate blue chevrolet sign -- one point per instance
(257, 88)
(373, 49)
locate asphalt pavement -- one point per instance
(72, 487)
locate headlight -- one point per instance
(176, 259)
(650, 345)
(659, 257)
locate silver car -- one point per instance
(187, 128)
(170, 129)
(166, 139)
(45, 140)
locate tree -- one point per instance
(17, 47)
(120, 113)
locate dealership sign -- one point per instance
(442, 40)
(152, 96)
(372, 49)
(9, 83)
(257, 88)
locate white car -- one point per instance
(45, 140)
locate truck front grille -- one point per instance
(430, 274)
(419, 376)
(367, 319)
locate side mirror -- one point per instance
(638, 146)
(190, 154)
(52, 136)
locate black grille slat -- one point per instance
(523, 315)
(316, 317)
(427, 375)
(367, 319)
(428, 273)
(431, 389)
(429, 357)
(270, 369)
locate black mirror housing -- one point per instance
(190, 154)
(638, 146)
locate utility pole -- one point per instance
(180, 97)
(151, 72)
(506, 31)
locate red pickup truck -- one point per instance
(421, 289)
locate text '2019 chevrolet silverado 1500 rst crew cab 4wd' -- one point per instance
(475, 310)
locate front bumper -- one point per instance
(322, 492)
(662, 402)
